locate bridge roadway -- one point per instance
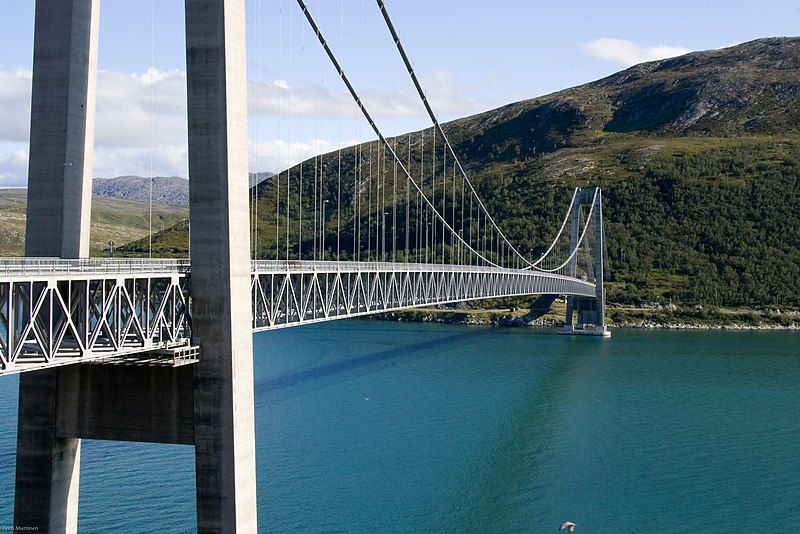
(137, 311)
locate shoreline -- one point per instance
(509, 320)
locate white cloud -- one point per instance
(277, 155)
(15, 105)
(13, 168)
(628, 53)
(122, 122)
(448, 96)
(278, 99)
(123, 116)
(168, 160)
(123, 107)
(123, 119)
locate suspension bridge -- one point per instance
(160, 350)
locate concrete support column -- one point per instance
(59, 209)
(62, 128)
(220, 244)
(48, 467)
(599, 272)
(572, 268)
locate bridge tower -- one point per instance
(209, 404)
(591, 311)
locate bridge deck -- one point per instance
(58, 312)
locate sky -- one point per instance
(471, 56)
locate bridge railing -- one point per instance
(15, 267)
(104, 266)
(261, 266)
(56, 312)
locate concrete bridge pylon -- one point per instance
(208, 405)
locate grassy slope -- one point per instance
(693, 220)
(118, 220)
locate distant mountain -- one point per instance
(114, 220)
(166, 189)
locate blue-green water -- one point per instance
(383, 427)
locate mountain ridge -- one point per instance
(708, 93)
(172, 190)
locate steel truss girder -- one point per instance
(56, 320)
(287, 298)
(51, 315)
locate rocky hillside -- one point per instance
(698, 156)
(749, 89)
(166, 189)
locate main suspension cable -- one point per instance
(309, 17)
(589, 220)
(438, 126)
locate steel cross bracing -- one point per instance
(57, 312)
(286, 294)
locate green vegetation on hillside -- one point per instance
(693, 221)
(698, 157)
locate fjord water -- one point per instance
(382, 427)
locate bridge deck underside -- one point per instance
(57, 316)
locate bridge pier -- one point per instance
(591, 311)
(208, 404)
(220, 247)
(59, 209)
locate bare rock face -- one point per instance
(166, 189)
(748, 88)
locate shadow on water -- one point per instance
(334, 368)
(507, 484)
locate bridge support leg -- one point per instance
(591, 311)
(220, 248)
(59, 209)
(572, 268)
(599, 269)
(48, 467)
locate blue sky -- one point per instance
(471, 55)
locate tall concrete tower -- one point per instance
(208, 404)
